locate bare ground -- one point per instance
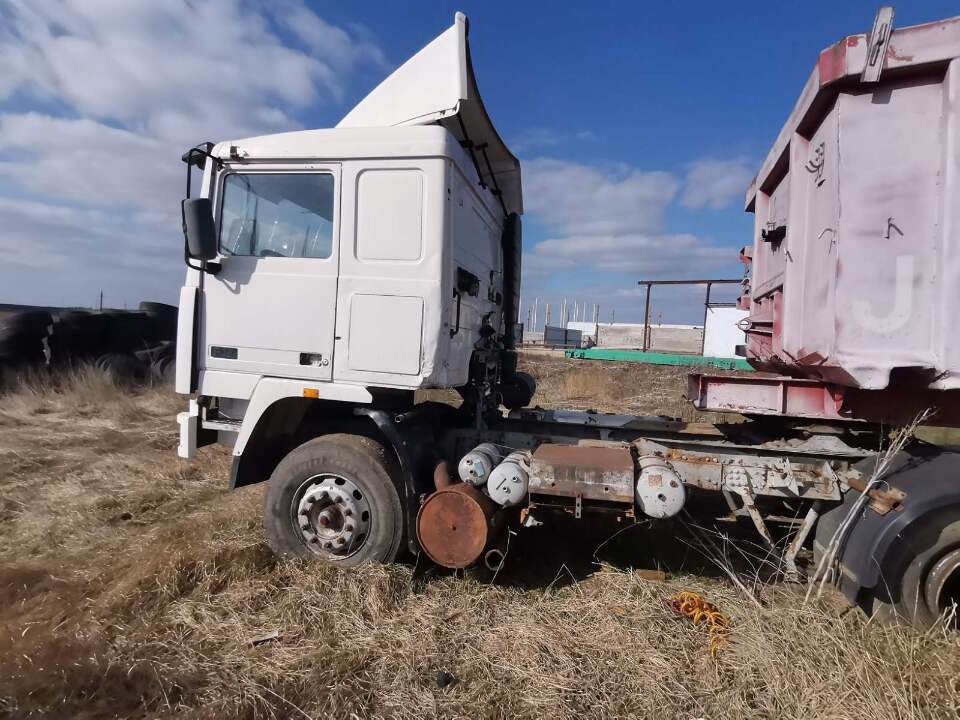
(133, 584)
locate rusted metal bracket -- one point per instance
(881, 501)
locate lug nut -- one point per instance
(328, 545)
(340, 541)
(314, 539)
(347, 512)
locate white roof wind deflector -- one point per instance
(437, 85)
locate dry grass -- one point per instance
(619, 387)
(132, 585)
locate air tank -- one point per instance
(475, 467)
(508, 482)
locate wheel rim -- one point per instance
(942, 588)
(332, 516)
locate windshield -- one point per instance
(277, 215)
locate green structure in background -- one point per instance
(656, 358)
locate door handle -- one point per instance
(454, 331)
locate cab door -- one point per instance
(271, 309)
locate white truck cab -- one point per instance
(349, 261)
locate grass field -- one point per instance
(133, 584)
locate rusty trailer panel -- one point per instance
(814, 399)
(863, 298)
(584, 471)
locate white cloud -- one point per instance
(715, 184)
(610, 219)
(87, 162)
(650, 256)
(56, 254)
(539, 138)
(587, 200)
(533, 138)
(108, 96)
(176, 70)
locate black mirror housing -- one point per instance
(198, 228)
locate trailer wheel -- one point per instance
(336, 498)
(922, 575)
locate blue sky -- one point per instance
(639, 125)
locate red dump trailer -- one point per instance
(855, 260)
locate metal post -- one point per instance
(647, 335)
(646, 320)
(706, 310)
(546, 315)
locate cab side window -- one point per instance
(277, 215)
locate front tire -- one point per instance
(337, 499)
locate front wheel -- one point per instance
(336, 498)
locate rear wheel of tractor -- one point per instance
(921, 575)
(336, 498)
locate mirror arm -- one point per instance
(207, 266)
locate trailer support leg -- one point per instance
(792, 574)
(747, 496)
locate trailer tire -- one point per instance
(921, 575)
(164, 317)
(28, 324)
(363, 481)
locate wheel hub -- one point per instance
(943, 583)
(332, 516)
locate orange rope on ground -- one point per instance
(695, 607)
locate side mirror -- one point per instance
(198, 228)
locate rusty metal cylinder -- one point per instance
(441, 475)
(455, 525)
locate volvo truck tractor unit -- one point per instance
(333, 273)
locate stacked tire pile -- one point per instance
(135, 345)
(22, 338)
